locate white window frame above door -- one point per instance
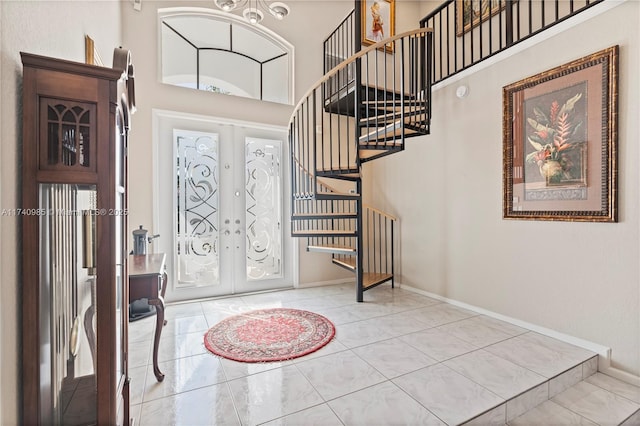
(259, 31)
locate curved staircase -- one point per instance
(361, 110)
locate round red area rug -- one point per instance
(266, 335)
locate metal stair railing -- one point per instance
(322, 128)
(378, 233)
(337, 47)
(464, 37)
(378, 248)
(388, 93)
(312, 214)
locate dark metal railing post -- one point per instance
(393, 275)
(360, 244)
(509, 23)
(430, 55)
(314, 144)
(402, 88)
(357, 101)
(357, 36)
(293, 173)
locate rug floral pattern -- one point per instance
(265, 335)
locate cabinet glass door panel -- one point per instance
(67, 305)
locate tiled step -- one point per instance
(597, 400)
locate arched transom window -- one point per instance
(220, 52)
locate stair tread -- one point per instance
(349, 263)
(396, 115)
(327, 174)
(380, 130)
(369, 279)
(341, 169)
(324, 232)
(556, 409)
(372, 278)
(327, 215)
(376, 144)
(395, 102)
(336, 195)
(331, 248)
(388, 90)
(373, 154)
(392, 130)
(408, 120)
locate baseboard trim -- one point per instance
(603, 351)
(604, 366)
(323, 283)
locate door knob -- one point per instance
(227, 232)
(237, 231)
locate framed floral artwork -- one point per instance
(560, 142)
(470, 13)
(378, 21)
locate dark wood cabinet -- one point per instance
(76, 119)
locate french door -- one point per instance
(225, 213)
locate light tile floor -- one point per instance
(399, 358)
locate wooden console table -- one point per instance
(148, 278)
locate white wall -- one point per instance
(580, 279)
(52, 29)
(308, 24)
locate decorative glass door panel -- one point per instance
(263, 208)
(197, 216)
(227, 214)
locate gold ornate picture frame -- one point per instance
(560, 142)
(378, 21)
(471, 13)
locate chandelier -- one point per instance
(252, 12)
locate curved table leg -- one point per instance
(160, 322)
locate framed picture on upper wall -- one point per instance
(470, 13)
(91, 55)
(560, 142)
(378, 21)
